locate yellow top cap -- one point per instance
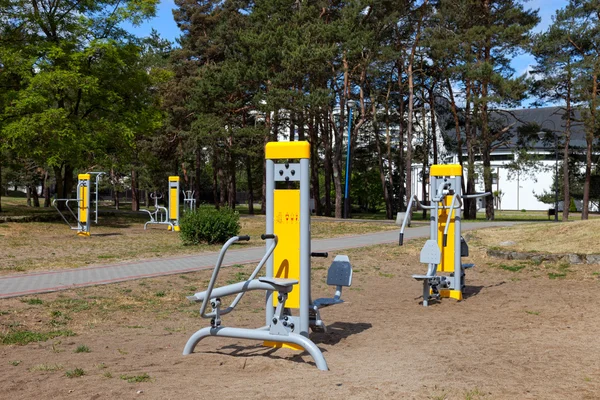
(173, 179)
(83, 176)
(446, 170)
(282, 150)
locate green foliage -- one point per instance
(75, 373)
(82, 349)
(572, 206)
(25, 337)
(136, 378)
(209, 225)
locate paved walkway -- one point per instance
(50, 281)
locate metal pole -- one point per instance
(346, 189)
(556, 179)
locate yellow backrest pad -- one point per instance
(447, 263)
(286, 257)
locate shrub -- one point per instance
(572, 206)
(209, 225)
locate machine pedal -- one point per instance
(467, 266)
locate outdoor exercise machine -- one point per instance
(163, 215)
(189, 202)
(446, 247)
(83, 200)
(288, 264)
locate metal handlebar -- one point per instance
(213, 278)
(475, 195)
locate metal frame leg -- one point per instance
(252, 334)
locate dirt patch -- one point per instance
(519, 334)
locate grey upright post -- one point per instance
(458, 269)
(270, 229)
(304, 246)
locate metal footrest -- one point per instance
(467, 266)
(423, 277)
(327, 301)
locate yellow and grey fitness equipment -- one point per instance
(163, 215)
(446, 247)
(84, 196)
(289, 309)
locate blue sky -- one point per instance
(165, 25)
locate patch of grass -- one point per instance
(596, 273)
(15, 363)
(191, 288)
(136, 378)
(121, 351)
(107, 374)
(558, 275)
(24, 337)
(73, 305)
(532, 312)
(101, 366)
(46, 367)
(135, 327)
(386, 275)
(75, 373)
(160, 293)
(238, 277)
(106, 256)
(82, 348)
(32, 302)
(474, 394)
(511, 268)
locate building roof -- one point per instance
(525, 125)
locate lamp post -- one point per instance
(351, 104)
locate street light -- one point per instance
(555, 137)
(351, 104)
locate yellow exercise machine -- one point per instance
(445, 247)
(289, 310)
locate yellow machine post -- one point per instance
(174, 202)
(448, 256)
(287, 253)
(83, 213)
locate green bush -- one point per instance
(209, 225)
(572, 206)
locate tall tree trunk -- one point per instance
(250, 188)
(566, 186)
(459, 151)
(46, 190)
(216, 182)
(339, 139)
(327, 162)
(0, 185)
(135, 193)
(589, 139)
(485, 129)
(314, 162)
(197, 187)
(409, 133)
(382, 174)
(35, 196)
(433, 124)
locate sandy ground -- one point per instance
(517, 335)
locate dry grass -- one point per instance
(582, 237)
(44, 246)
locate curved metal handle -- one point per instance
(474, 195)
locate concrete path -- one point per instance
(50, 281)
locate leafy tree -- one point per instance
(79, 92)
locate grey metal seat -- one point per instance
(338, 275)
